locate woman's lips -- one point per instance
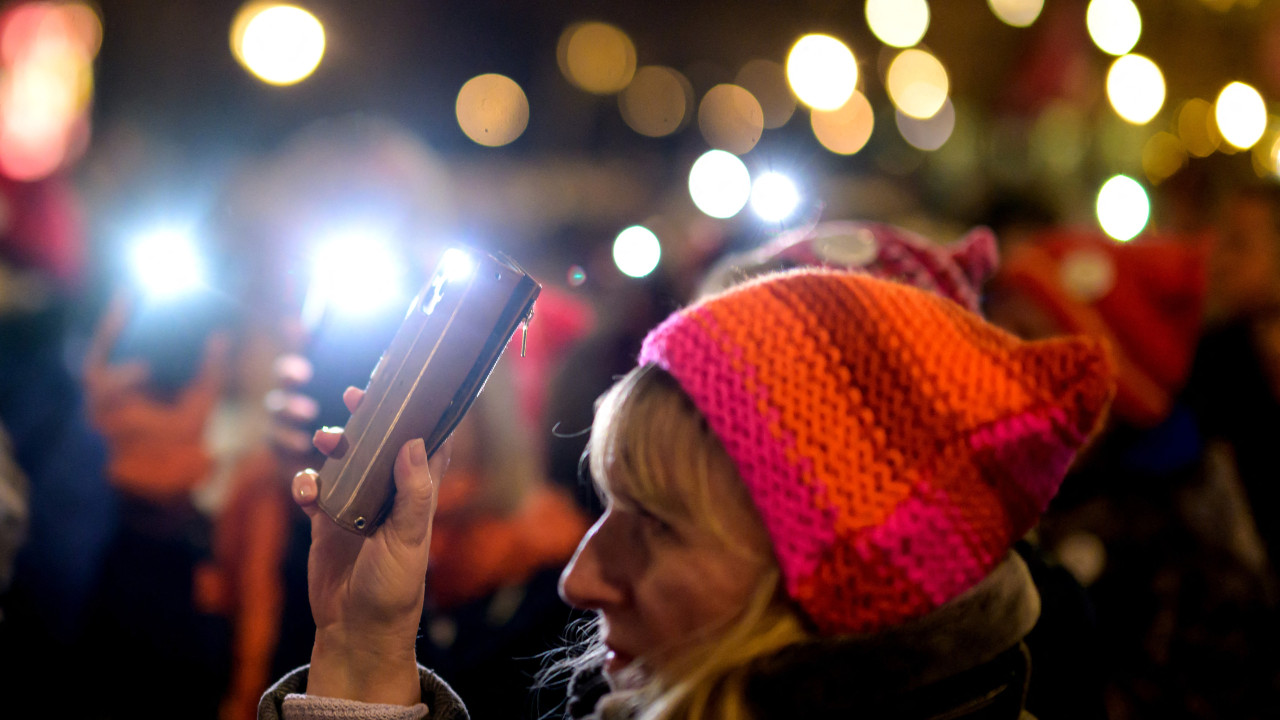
(616, 660)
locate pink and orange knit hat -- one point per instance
(895, 444)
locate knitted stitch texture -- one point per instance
(895, 444)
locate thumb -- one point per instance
(306, 492)
(415, 502)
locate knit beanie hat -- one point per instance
(956, 271)
(895, 444)
(1144, 298)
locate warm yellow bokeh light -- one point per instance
(1123, 207)
(596, 57)
(280, 44)
(1114, 25)
(1197, 129)
(719, 184)
(846, 129)
(1241, 114)
(1018, 13)
(900, 23)
(917, 83)
(767, 81)
(492, 110)
(1135, 87)
(1162, 156)
(657, 102)
(822, 71)
(929, 134)
(730, 119)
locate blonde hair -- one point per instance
(650, 443)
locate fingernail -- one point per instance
(418, 452)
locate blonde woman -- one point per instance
(812, 482)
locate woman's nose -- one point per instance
(585, 582)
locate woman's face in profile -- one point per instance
(661, 585)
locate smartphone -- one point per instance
(170, 336)
(432, 370)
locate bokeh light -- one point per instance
(846, 129)
(767, 81)
(917, 83)
(900, 23)
(1197, 129)
(279, 44)
(1114, 25)
(46, 84)
(636, 251)
(1162, 156)
(1018, 13)
(166, 263)
(492, 110)
(774, 197)
(930, 133)
(657, 102)
(1123, 207)
(597, 57)
(822, 71)
(576, 276)
(1135, 87)
(719, 184)
(1241, 114)
(730, 118)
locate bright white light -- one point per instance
(456, 265)
(1123, 207)
(900, 23)
(1114, 25)
(357, 274)
(774, 197)
(281, 44)
(636, 251)
(719, 184)
(1135, 87)
(822, 71)
(166, 263)
(1241, 115)
(1018, 13)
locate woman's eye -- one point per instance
(653, 523)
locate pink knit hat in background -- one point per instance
(956, 271)
(895, 444)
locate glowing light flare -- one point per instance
(278, 44)
(767, 81)
(1197, 129)
(1241, 115)
(492, 110)
(355, 273)
(774, 197)
(730, 118)
(1123, 207)
(719, 184)
(636, 251)
(900, 23)
(597, 57)
(1114, 25)
(657, 102)
(1135, 87)
(918, 84)
(847, 129)
(165, 263)
(1018, 13)
(931, 133)
(44, 28)
(822, 71)
(456, 265)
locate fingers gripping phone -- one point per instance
(433, 369)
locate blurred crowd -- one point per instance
(149, 550)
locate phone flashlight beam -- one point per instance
(166, 264)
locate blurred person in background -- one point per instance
(1146, 521)
(503, 531)
(71, 509)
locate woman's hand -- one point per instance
(366, 592)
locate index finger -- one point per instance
(110, 325)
